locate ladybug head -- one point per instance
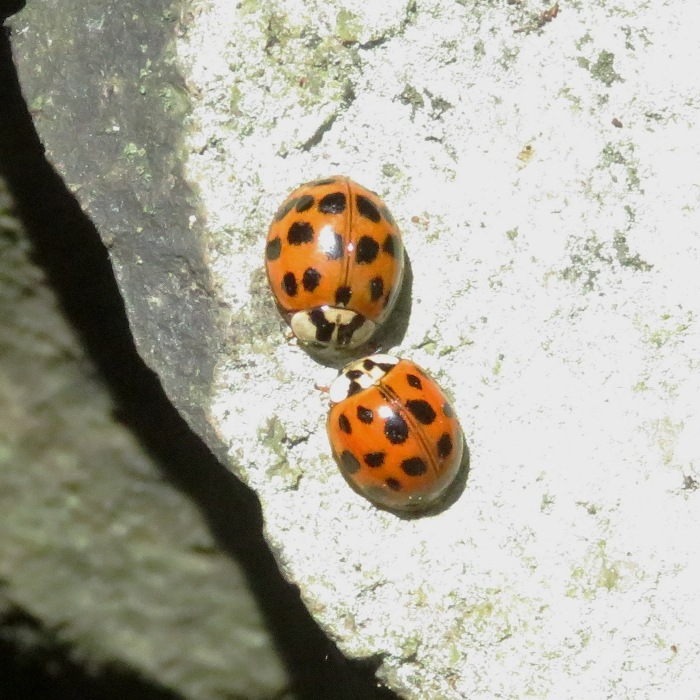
(359, 375)
(331, 327)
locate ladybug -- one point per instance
(393, 433)
(334, 260)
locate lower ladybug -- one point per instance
(393, 433)
(334, 261)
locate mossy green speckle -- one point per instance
(347, 25)
(390, 170)
(627, 259)
(482, 611)
(249, 7)
(133, 151)
(547, 502)
(412, 98)
(272, 435)
(497, 365)
(175, 102)
(597, 571)
(508, 57)
(622, 154)
(635, 37)
(603, 70)
(666, 432)
(572, 98)
(585, 39)
(287, 64)
(587, 260)
(37, 104)
(608, 576)
(668, 328)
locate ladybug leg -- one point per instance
(291, 338)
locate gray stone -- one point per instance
(112, 561)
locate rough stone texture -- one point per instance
(541, 165)
(97, 548)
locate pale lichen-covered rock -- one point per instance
(540, 162)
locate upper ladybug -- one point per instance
(334, 260)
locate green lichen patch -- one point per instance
(282, 63)
(588, 256)
(666, 433)
(272, 436)
(622, 154)
(625, 257)
(666, 329)
(597, 572)
(603, 69)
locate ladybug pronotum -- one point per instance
(393, 433)
(334, 261)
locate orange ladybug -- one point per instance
(393, 433)
(334, 260)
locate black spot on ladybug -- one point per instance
(368, 364)
(333, 203)
(324, 328)
(289, 284)
(447, 410)
(354, 388)
(354, 374)
(344, 424)
(367, 208)
(349, 462)
(285, 209)
(300, 232)
(273, 248)
(393, 484)
(365, 415)
(347, 330)
(335, 251)
(374, 459)
(385, 366)
(414, 381)
(396, 429)
(414, 466)
(321, 183)
(342, 295)
(422, 410)
(444, 445)
(367, 250)
(304, 202)
(387, 214)
(389, 246)
(376, 288)
(311, 279)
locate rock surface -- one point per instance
(540, 161)
(104, 566)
